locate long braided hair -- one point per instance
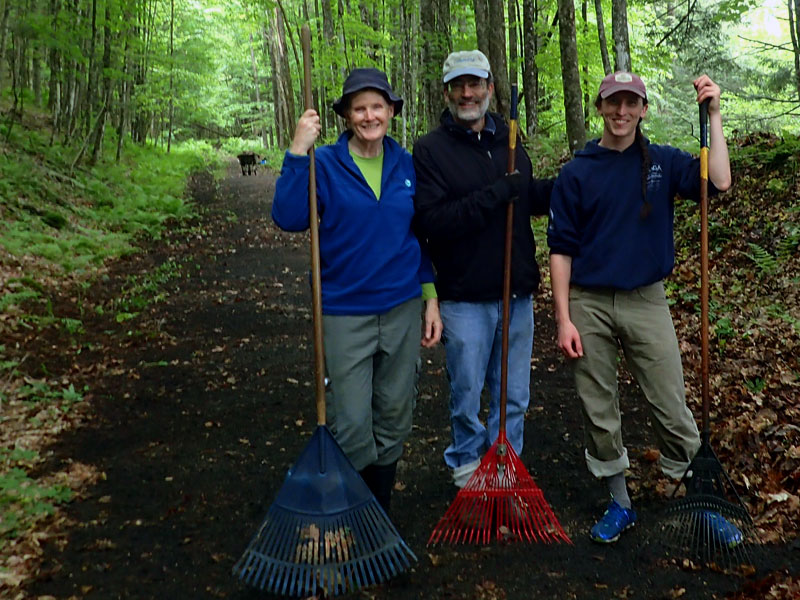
(646, 161)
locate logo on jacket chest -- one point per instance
(654, 177)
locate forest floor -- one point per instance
(196, 411)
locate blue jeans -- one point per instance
(473, 346)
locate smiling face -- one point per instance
(368, 116)
(621, 114)
(468, 99)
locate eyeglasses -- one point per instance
(473, 85)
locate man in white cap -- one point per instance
(462, 194)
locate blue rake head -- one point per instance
(325, 530)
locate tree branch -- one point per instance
(681, 21)
(767, 44)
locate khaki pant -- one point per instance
(639, 322)
(371, 361)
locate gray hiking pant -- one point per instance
(639, 322)
(371, 361)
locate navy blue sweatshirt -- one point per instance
(595, 214)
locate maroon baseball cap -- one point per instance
(622, 81)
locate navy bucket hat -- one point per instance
(367, 78)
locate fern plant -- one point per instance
(766, 262)
(787, 246)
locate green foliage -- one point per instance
(755, 386)
(41, 393)
(788, 245)
(100, 212)
(23, 500)
(766, 263)
(141, 291)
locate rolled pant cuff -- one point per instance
(462, 474)
(607, 468)
(673, 468)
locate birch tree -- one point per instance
(619, 31)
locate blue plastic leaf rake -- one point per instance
(325, 530)
(710, 524)
(501, 499)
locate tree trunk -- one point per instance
(106, 89)
(53, 83)
(5, 9)
(587, 103)
(497, 56)
(171, 114)
(281, 83)
(530, 72)
(91, 72)
(435, 44)
(71, 84)
(261, 116)
(619, 30)
(482, 25)
(570, 76)
(794, 28)
(319, 73)
(141, 122)
(330, 40)
(601, 36)
(408, 67)
(124, 93)
(513, 21)
(285, 75)
(36, 72)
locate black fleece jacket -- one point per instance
(462, 215)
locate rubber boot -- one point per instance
(380, 480)
(367, 474)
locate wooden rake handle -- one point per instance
(313, 224)
(512, 147)
(704, 364)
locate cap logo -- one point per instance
(623, 78)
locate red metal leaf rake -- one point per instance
(501, 500)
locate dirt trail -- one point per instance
(196, 429)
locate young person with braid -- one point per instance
(611, 245)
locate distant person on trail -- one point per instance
(462, 196)
(374, 273)
(611, 245)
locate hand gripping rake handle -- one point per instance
(704, 389)
(512, 147)
(316, 277)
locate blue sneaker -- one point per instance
(613, 522)
(722, 531)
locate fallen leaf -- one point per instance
(651, 455)
(435, 559)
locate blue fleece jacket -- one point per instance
(370, 258)
(595, 214)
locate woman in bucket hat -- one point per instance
(611, 245)
(374, 272)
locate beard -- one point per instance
(469, 114)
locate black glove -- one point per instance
(506, 189)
